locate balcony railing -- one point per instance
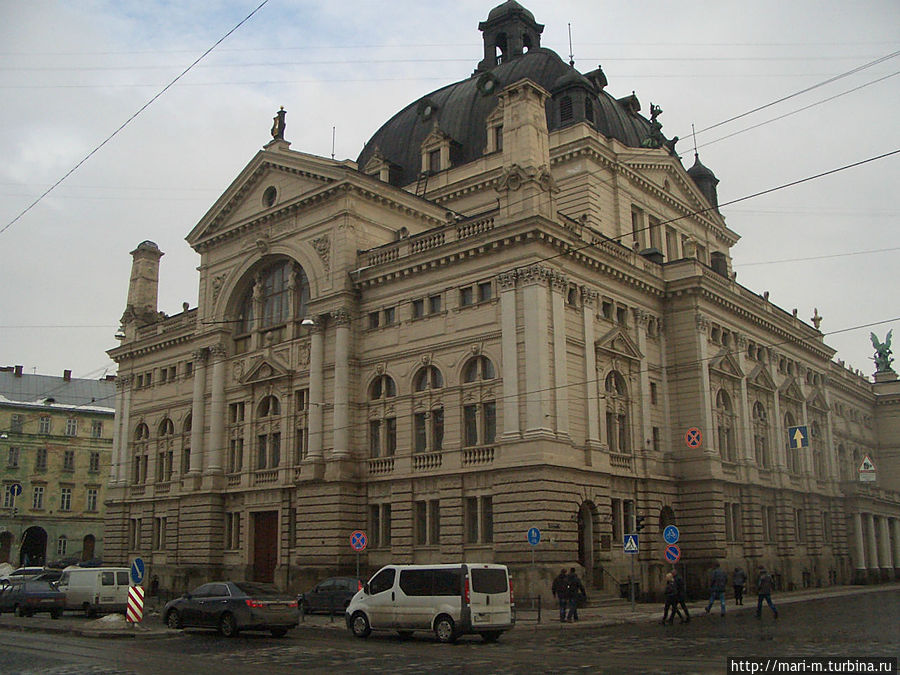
(427, 461)
(478, 456)
(381, 465)
(265, 476)
(620, 461)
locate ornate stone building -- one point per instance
(507, 313)
(56, 438)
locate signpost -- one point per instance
(358, 542)
(134, 612)
(534, 538)
(137, 572)
(866, 470)
(671, 534)
(673, 553)
(631, 546)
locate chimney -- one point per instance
(18, 371)
(67, 375)
(143, 288)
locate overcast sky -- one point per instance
(72, 73)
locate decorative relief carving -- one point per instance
(322, 246)
(237, 371)
(218, 351)
(341, 317)
(703, 323)
(559, 281)
(217, 283)
(534, 274)
(741, 341)
(515, 176)
(641, 317)
(199, 355)
(507, 280)
(303, 354)
(589, 298)
(124, 381)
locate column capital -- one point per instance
(124, 381)
(199, 355)
(341, 317)
(218, 351)
(641, 317)
(535, 274)
(703, 323)
(558, 281)
(507, 280)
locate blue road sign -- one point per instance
(534, 536)
(673, 553)
(671, 534)
(631, 543)
(798, 437)
(358, 540)
(137, 571)
(15, 489)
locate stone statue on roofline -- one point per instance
(883, 357)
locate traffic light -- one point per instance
(639, 523)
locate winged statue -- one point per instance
(883, 358)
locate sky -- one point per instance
(72, 74)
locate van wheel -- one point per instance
(228, 626)
(445, 629)
(490, 635)
(359, 624)
(173, 619)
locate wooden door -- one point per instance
(265, 545)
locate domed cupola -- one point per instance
(706, 180)
(509, 32)
(573, 99)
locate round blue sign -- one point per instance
(15, 489)
(358, 540)
(137, 571)
(673, 553)
(670, 534)
(534, 536)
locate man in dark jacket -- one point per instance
(681, 587)
(575, 592)
(559, 592)
(764, 592)
(738, 581)
(718, 581)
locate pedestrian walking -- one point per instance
(671, 593)
(739, 580)
(575, 593)
(764, 592)
(682, 593)
(718, 581)
(559, 592)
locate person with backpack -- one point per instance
(575, 593)
(559, 592)
(764, 586)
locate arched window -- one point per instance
(761, 436)
(382, 429)
(428, 377)
(268, 433)
(166, 427)
(139, 454)
(618, 410)
(478, 368)
(725, 425)
(186, 444)
(278, 292)
(165, 450)
(142, 432)
(382, 386)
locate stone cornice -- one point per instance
(142, 348)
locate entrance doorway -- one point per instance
(265, 545)
(87, 547)
(587, 541)
(34, 547)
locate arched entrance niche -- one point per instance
(87, 547)
(588, 538)
(666, 518)
(6, 539)
(34, 547)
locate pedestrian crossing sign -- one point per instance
(631, 543)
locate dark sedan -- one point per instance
(331, 596)
(26, 598)
(233, 606)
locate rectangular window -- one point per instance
(62, 545)
(434, 161)
(188, 368)
(40, 460)
(769, 524)
(654, 393)
(37, 498)
(490, 422)
(498, 138)
(65, 499)
(374, 525)
(466, 296)
(487, 520)
(91, 501)
(637, 226)
(96, 429)
(13, 459)
(434, 524)
(9, 499)
(671, 244)
(419, 432)
(655, 234)
(302, 437)
(389, 316)
(236, 455)
(94, 466)
(485, 291)
(418, 308)
(15, 423)
(656, 439)
(736, 522)
(421, 522)
(470, 425)
(628, 515)
(471, 516)
(374, 320)
(437, 429)
(434, 304)
(386, 524)
(71, 427)
(68, 460)
(44, 427)
(236, 413)
(261, 451)
(302, 398)
(390, 436)
(800, 525)
(616, 518)
(826, 526)
(232, 531)
(374, 438)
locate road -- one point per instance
(857, 625)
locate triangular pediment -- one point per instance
(760, 378)
(790, 389)
(274, 179)
(618, 343)
(817, 400)
(266, 369)
(725, 364)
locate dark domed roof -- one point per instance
(460, 110)
(573, 77)
(507, 8)
(706, 180)
(701, 172)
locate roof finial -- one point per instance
(571, 53)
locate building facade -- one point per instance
(55, 449)
(511, 311)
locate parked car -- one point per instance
(26, 598)
(49, 575)
(233, 606)
(21, 574)
(95, 590)
(331, 595)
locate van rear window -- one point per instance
(122, 578)
(492, 580)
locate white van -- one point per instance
(451, 600)
(95, 590)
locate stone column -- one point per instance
(341, 384)
(537, 359)
(592, 398)
(510, 352)
(859, 549)
(216, 411)
(198, 406)
(559, 285)
(642, 320)
(316, 386)
(746, 435)
(706, 415)
(885, 555)
(119, 469)
(872, 557)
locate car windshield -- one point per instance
(257, 590)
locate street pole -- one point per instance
(632, 581)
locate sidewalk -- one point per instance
(609, 613)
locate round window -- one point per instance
(269, 196)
